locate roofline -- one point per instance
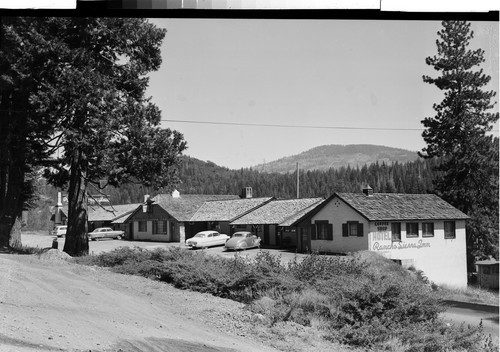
(268, 199)
(273, 223)
(322, 205)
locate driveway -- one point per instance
(44, 240)
(473, 314)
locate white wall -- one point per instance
(442, 260)
(337, 213)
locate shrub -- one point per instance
(362, 300)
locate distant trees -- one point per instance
(412, 177)
(78, 87)
(467, 173)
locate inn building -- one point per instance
(415, 230)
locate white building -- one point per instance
(419, 230)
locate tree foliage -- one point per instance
(467, 174)
(87, 103)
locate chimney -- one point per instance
(58, 211)
(246, 192)
(368, 191)
(145, 204)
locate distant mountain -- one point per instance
(336, 156)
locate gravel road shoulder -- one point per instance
(50, 304)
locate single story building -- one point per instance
(271, 221)
(167, 217)
(487, 273)
(419, 230)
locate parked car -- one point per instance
(242, 240)
(59, 231)
(206, 239)
(105, 232)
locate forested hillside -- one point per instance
(336, 156)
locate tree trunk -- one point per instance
(12, 164)
(76, 243)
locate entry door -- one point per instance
(266, 234)
(131, 230)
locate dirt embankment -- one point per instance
(48, 304)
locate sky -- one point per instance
(351, 81)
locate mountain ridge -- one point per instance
(337, 155)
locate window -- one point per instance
(143, 226)
(322, 230)
(449, 229)
(428, 229)
(396, 231)
(160, 227)
(411, 229)
(352, 228)
(486, 270)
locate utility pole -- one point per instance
(298, 184)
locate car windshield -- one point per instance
(239, 235)
(200, 235)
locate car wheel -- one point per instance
(118, 237)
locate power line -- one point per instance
(300, 126)
(294, 126)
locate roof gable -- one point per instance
(277, 211)
(400, 206)
(227, 210)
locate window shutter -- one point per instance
(360, 230)
(313, 231)
(345, 231)
(329, 235)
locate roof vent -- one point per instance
(368, 191)
(176, 194)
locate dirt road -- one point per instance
(47, 304)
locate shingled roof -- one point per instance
(291, 220)
(277, 211)
(227, 210)
(182, 208)
(108, 212)
(400, 206)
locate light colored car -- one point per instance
(105, 232)
(206, 239)
(242, 240)
(60, 231)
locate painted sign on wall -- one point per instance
(382, 241)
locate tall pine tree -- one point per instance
(457, 136)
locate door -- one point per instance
(131, 230)
(266, 234)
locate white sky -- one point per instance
(344, 73)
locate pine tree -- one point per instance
(77, 86)
(466, 174)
